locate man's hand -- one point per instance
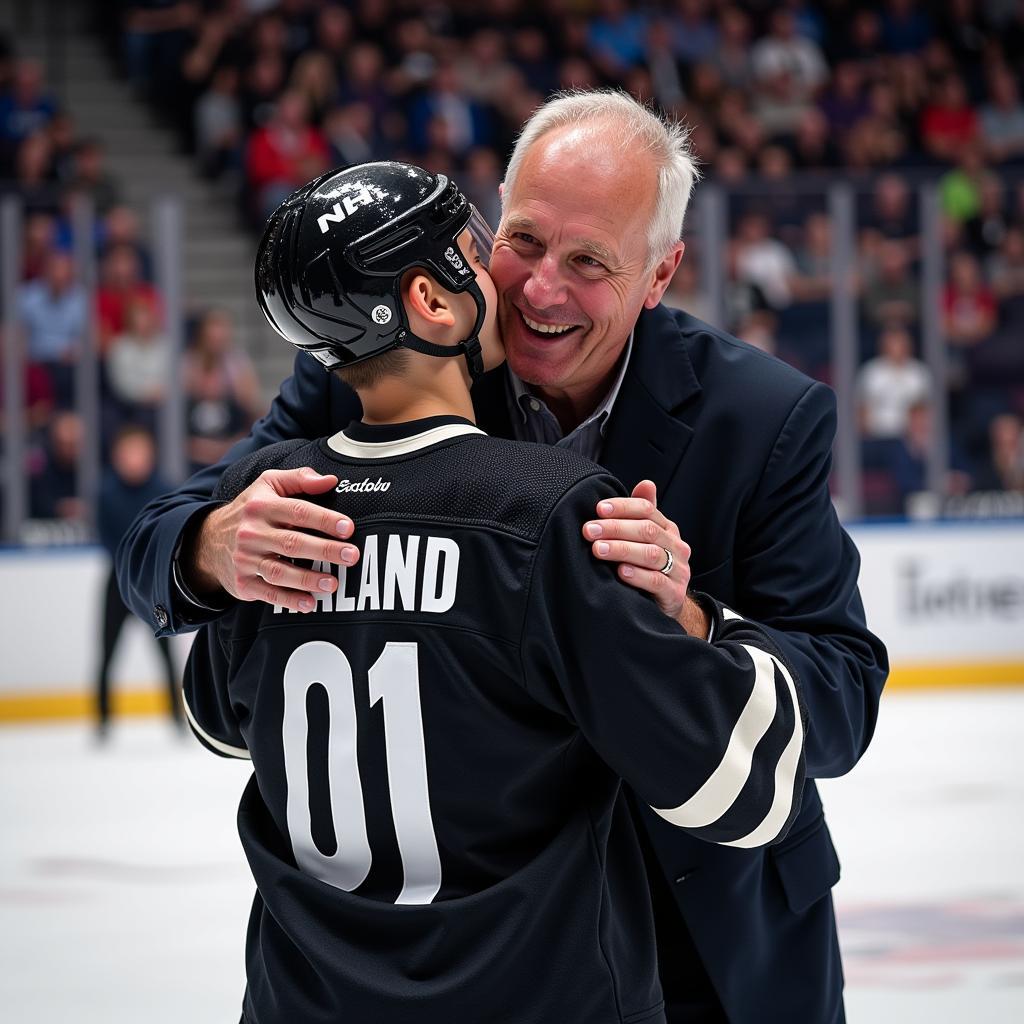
(242, 547)
(632, 532)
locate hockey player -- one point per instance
(434, 822)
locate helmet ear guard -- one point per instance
(332, 258)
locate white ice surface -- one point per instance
(124, 894)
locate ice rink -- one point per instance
(124, 893)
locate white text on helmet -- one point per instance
(351, 203)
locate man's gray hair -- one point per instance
(638, 129)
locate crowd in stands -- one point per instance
(47, 165)
(783, 98)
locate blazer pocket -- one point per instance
(807, 865)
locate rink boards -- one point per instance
(948, 599)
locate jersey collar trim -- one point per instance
(342, 444)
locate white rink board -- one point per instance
(51, 606)
(945, 592)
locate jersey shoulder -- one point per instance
(515, 484)
(282, 455)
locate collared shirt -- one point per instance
(532, 420)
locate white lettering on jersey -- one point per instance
(389, 577)
(363, 485)
(430, 599)
(369, 582)
(400, 573)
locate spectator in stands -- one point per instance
(90, 176)
(784, 54)
(968, 305)
(1002, 119)
(763, 261)
(264, 79)
(63, 142)
(53, 492)
(217, 127)
(985, 231)
(665, 70)
(138, 366)
(889, 385)
(481, 179)
(948, 124)
(40, 239)
(891, 294)
(25, 109)
(284, 154)
(1006, 272)
(363, 80)
(904, 28)
(34, 175)
(861, 41)
(221, 390)
(464, 123)
(37, 396)
(1004, 470)
(314, 79)
(696, 34)
(960, 188)
(891, 214)
(685, 291)
(780, 103)
(155, 37)
(812, 144)
(53, 313)
(332, 33)
(616, 37)
(483, 70)
(121, 227)
(845, 102)
(129, 483)
(121, 287)
(759, 328)
(731, 56)
(350, 136)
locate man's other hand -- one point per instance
(632, 532)
(244, 547)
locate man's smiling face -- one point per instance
(571, 258)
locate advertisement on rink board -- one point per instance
(947, 598)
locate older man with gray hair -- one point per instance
(727, 452)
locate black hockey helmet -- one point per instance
(331, 260)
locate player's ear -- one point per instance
(427, 305)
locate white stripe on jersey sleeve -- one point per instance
(224, 748)
(785, 778)
(726, 782)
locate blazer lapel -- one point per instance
(645, 437)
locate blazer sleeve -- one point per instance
(208, 705)
(709, 734)
(302, 409)
(796, 571)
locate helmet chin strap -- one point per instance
(470, 348)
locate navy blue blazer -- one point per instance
(739, 445)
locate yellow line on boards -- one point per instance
(23, 707)
(948, 675)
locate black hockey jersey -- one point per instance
(435, 823)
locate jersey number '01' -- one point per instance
(394, 679)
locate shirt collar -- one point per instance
(366, 441)
(522, 394)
